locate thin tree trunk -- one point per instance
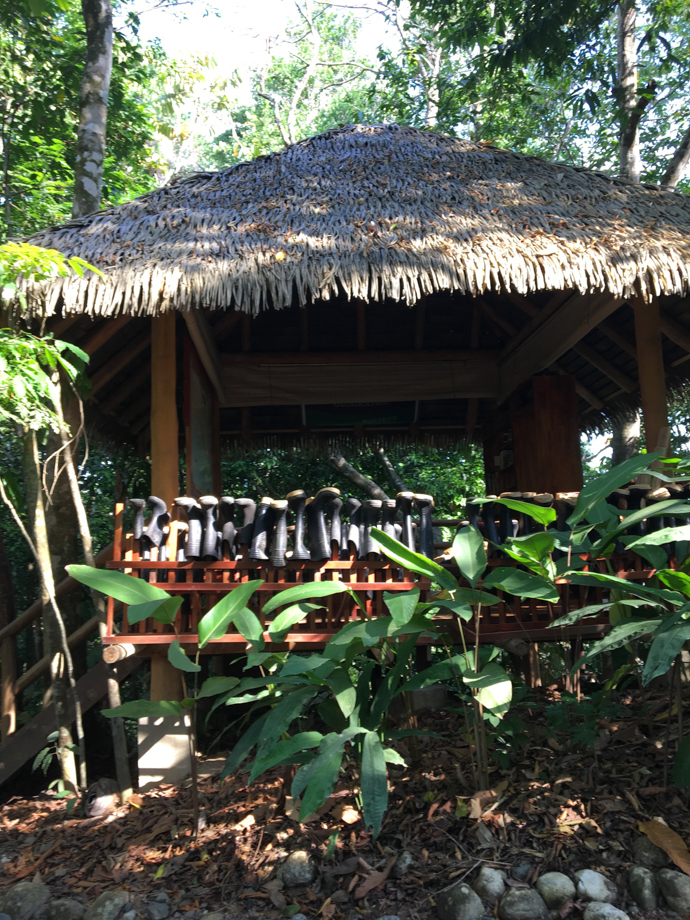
(626, 437)
(68, 440)
(630, 160)
(391, 472)
(8, 647)
(340, 465)
(679, 163)
(62, 677)
(93, 106)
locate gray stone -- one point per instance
(598, 910)
(131, 915)
(490, 884)
(521, 872)
(459, 902)
(649, 855)
(675, 888)
(593, 886)
(160, 895)
(643, 887)
(157, 910)
(298, 869)
(402, 864)
(522, 904)
(555, 888)
(26, 900)
(107, 906)
(299, 917)
(66, 909)
(5, 916)
(217, 915)
(385, 917)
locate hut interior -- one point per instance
(377, 281)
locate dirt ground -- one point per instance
(555, 806)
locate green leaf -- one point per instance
(144, 709)
(444, 670)
(656, 595)
(583, 613)
(332, 744)
(469, 553)
(475, 596)
(681, 764)
(664, 649)
(343, 690)
(537, 546)
(678, 581)
(303, 593)
(283, 751)
(401, 604)
(321, 785)
(249, 626)
(392, 756)
(374, 782)
(163, 610)
(286, 619)
(521, 584)
(243, 747)
(494, 687)
(214, 686)
(414, 562)
(122, 587)
(621, 634)
(390, 686)
(178, 658)
(296, 665)
(283, 714)
(214, 624)
(537, 512)
(657, 537)
(459, 608)
(598, 489)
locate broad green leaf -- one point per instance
(629, 587)
(681, 764)
(369, 631)
(322, 771)
(537, 512)
(537, 545)
(296, 665)
(597, 490)
(656, 556)
(122, 587)
(459, 608)
(678, 581)
(521, 584)
(444, 670)
(621, 634)
(664, 649)
(583, 613)
(144, 709)
(281, 717)
(303, 593)
(213, 624)
(247, 623)
(475, 596)
(469, 553)
(412, 561)
(286, 619)
(373, 782)
(343, 690)
(321, 785)
(657, 537)
(283, 751)
(164, 610)
(214, 686)
(494, 687)
(401, 604)
(243, 747)
(390, 686)
(178, 658)
(392, 756)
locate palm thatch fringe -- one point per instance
(375, 211)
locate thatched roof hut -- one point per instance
(430, 271)
(376, 212)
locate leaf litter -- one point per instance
(556, 807)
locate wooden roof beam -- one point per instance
(675, 332)
(558, 333)
(202, 337)
(110, 328)
(222, 329)
(620, 340)
(119, 362)
(121, 393)
(62, 325)
(605, 366)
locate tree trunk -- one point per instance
(679, 163)
(340, 465)
(93, 106)
(626, 437)
(630, 160)
(68, 453)
(62, 679)
(8, 648)
(391, 472)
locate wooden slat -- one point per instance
(605, 366)
(674, 331)
(110, 328)
(206, 349)
(122, 392)
(119, 362)
(612, 333)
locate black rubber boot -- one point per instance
(404, 502)
(260, 534)
(158, 520)
(354, 513)
(296, 501)
(226, 523)
(334, 508)
(508, 527)
(319, 544)
(137, 505)
(195, 533)
(209, 541)
(371, 512)
(425, 503)
(280, 509)
(248, 508)
(388, 510)
(489, 518)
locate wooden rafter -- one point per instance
(110, 328)
(122, 392)
(206, 348)
(605, 366)
(619, 339)
(119, 362)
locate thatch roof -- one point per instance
(375, 212)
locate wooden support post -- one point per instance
(650, 362)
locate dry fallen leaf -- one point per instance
(673, 845)
(375, 880)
